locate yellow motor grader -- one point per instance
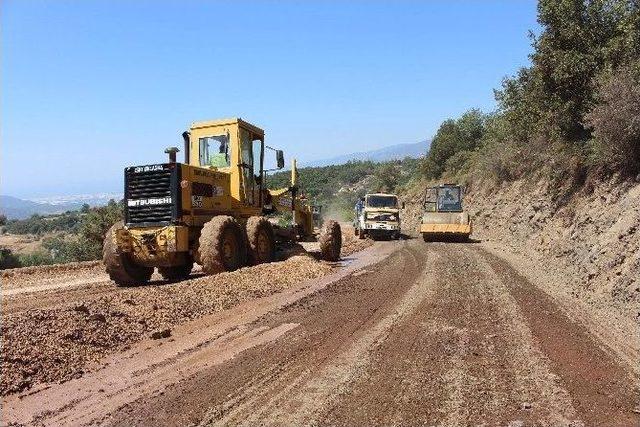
(212, 209)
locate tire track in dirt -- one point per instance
(436, 334)
(311, 397)
(603, 391)
(255, 385)
(451, 363)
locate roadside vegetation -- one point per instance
(68, 237)
(571, 117)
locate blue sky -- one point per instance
(89, 87)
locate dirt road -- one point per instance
(406, 333)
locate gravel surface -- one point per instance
(436, 334)
(60, 321)
(60, 343)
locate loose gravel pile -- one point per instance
(58, 344)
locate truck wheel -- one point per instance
(176, 273)
(261, 240)
(356, 231)
(426, 237)
(121, 268)
(362, 235)
(331, 241)
(222, 245)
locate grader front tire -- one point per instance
(331, 241)
(261, 240)
(222, 245)
(120, 266)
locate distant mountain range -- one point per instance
(393, 152)
(15, 208)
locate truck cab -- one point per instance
(378, 216)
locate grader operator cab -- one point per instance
(443, 215)
(212, 209)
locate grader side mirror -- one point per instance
(280, 159)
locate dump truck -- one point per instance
(378, 216)
(444, 216)
(215, 209)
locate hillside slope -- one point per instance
(592, 238)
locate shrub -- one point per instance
(40, 257)
(615, 121)
(8, 259)
(39, 225)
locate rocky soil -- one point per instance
(60, 321)
(590, 240)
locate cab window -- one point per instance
(246, 152)
(214, 151)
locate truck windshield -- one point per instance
(382, 202)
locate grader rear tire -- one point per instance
(222, 245)
(176, 273)
(261, 240)
(331, 241)
(121, 268)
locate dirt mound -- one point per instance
(60, 343)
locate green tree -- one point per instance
(580, 40)
(96, 223)
(386, 178)
(615, 121)
(454, 136)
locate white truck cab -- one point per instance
(378, 216)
